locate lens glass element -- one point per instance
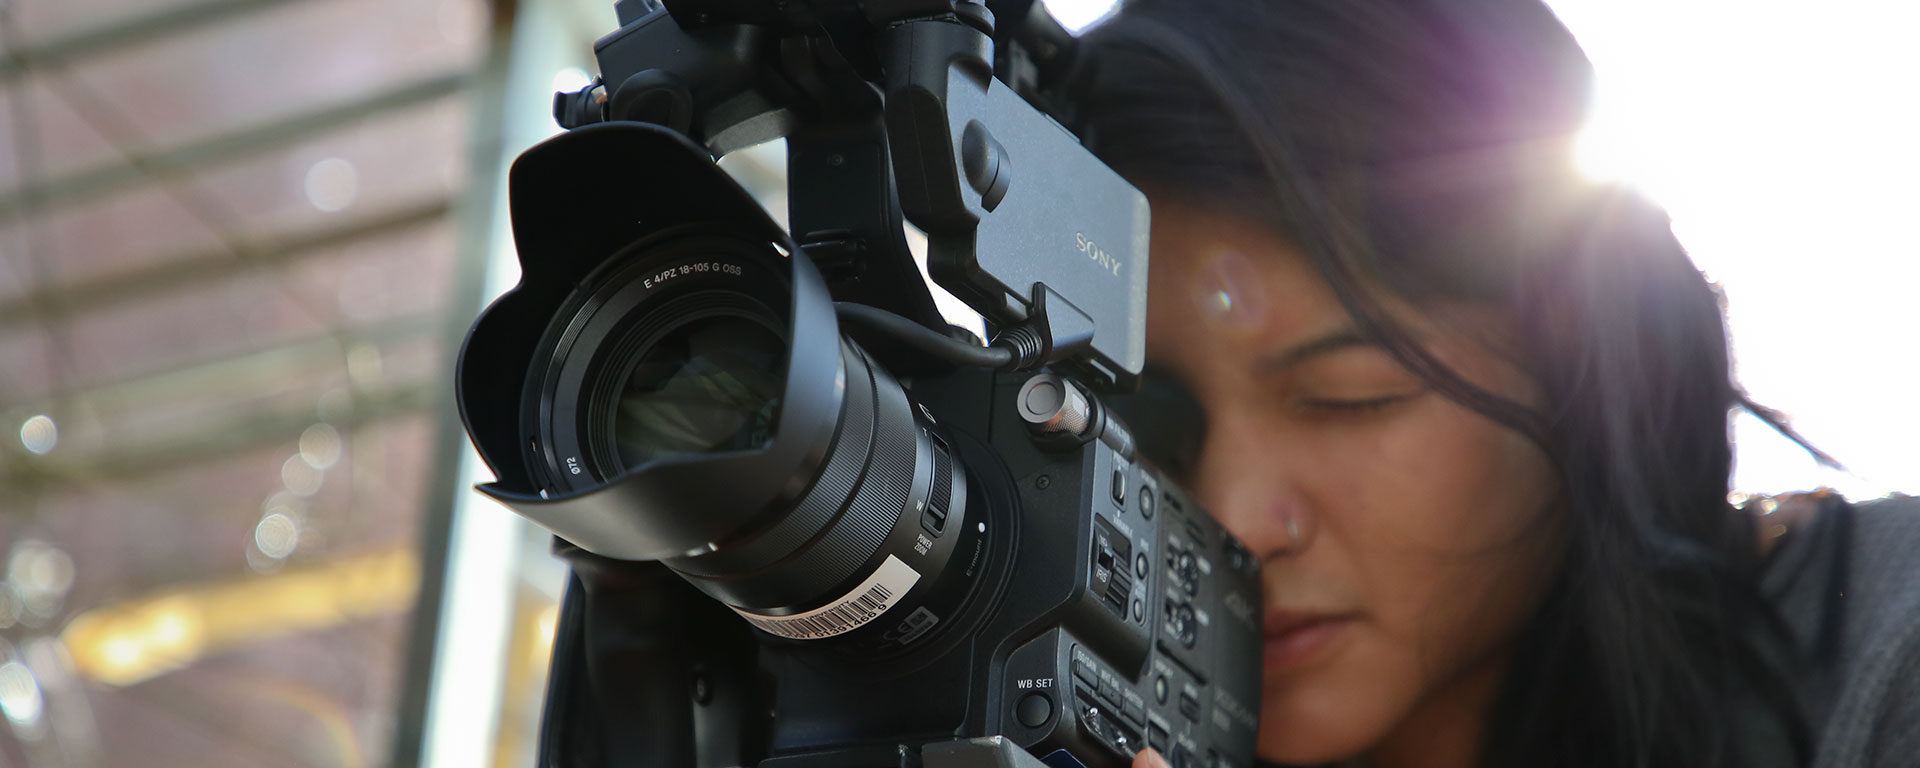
(712, 383)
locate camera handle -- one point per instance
(894, 104)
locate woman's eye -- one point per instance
(1358, 406)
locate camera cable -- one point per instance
(922, 338)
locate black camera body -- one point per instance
(800, 543)
(1115, 614)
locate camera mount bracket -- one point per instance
(1010, 201)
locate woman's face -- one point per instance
(1404, 537)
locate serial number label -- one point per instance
(865, 603)
(694, 268)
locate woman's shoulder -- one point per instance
(1845, 577)
(1800, 532)
(1886, 550)
(1866, 553)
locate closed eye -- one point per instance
(1336, 406)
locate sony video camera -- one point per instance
(809, 522)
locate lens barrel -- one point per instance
(687, 397)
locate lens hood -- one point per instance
(579, 202)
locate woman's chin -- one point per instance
(1290, 746)
(1305, 724)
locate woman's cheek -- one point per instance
(1444, 479)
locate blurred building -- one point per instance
(240, 241)
(228, 238)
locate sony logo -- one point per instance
(1098, 255)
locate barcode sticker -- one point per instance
(865, 603)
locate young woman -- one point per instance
(1472, 411)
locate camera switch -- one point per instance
(1034, 709)
(1190, 707)
(1084, 668)
(1157, 736)
(1134, 707)
(1120, 486)
(934, 520)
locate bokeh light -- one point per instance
(1077, 15)
(20, 695)
(320, 446)
(276, 535)
(39, 434)
(332, 184)
(300, 477)
(570, 80)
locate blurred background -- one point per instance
(241, 239)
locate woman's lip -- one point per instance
(1294, 641)
(1280, 621)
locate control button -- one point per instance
(1053, 406)
(1194, 532)
(1083, 667)
(1139, 609)
(1110, 693)
(1120, 485)
(1160, 689)
(1146, 502)
(1140, 565)
(1190, 707)
(1185, 624)
(1157, 737)
(1238, 558)
(1034, 710)
(1135, 709)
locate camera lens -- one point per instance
(670, 375)
(702, 376)
(677, 352)
(703, 387)
(664, 376)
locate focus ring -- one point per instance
(847, 458)
(866, 512)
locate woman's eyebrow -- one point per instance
(1324, 344)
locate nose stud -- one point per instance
(1296, 526)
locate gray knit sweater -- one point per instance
(1848, 584)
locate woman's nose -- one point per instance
(1243, 481)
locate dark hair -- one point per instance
(1426, 147)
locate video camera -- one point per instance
(810, 523)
